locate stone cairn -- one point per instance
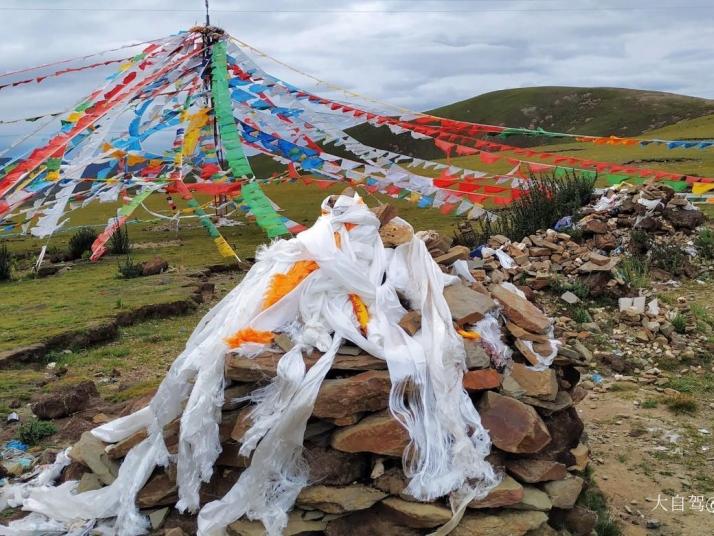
(353, 446)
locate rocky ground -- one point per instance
(639, 342)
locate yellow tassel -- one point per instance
(361, 312)
(469, 334)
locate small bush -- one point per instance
(679, 323)
(548, 199)
(639, 242)
(669, 257)
(649, 404)
(81, 241)
(634, 271)
(5, 263)
(119, 244)
(34, 431)
(680, 404)
(129, 269)
(705, 243)
(580, 315)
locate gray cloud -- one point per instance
(428, 54)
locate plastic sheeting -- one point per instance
(448, 444)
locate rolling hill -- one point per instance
(594, 111)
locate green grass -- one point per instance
(595, 500)
(681, 404)
(649, 404)
(34, 309)
(634, 272)
(697, 384)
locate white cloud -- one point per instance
(421, 57)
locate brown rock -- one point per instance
(154, 266)
(230, 456)
(562, 401)
(513, 426)
(385, 213)
(454, 254)
(533, 471)
(534, 499)
(581, 454)
(334, 468)
(90, 451)
(411, 322)
(590, 266)
(481, 380)
(65, 402)
(379, 433)
(476, 356)
(365, 392)
(520, 311)
(598, 259)
(564, 493)
(580, 521)
(536, 383)
(595, 226)
(566, 428)
(506, 523)
(392, 482)
(526, 352)
(466, 305)
(264, 366)
(508, 492)
(339, 499)
(684, 219)
(160, 490)
(297, 524)
(370, 522)
(520, 333)
(119, 450)
(396, 232)
(414, 514)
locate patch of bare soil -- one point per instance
(649, 460)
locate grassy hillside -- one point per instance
(594, 111)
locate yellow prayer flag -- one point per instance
(702, 187)
(224, 248)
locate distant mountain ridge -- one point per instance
(571, 110)
(598, 111)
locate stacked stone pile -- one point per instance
(353, 446)
(653, 208)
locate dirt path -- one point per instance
(642, 453)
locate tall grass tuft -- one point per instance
(5, 263)
(548, 199)
(81, 242)
(705, 243)
(119, 244)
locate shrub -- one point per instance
(5, 263)
(705, 243)
(670, 257)
(634, 271)
(129, 269)
(680, 404)
(580, 315)
(34, 431)
(81, 241)
(548, 199)
(679, 323)
(119, 244)
(639, 242)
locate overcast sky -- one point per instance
(416, 53)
